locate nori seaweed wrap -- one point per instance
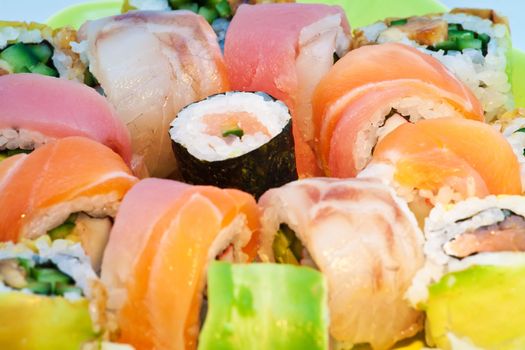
(235, 140)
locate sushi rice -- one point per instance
(11, 138)
(65, 60)
(486, 75)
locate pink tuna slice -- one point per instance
(58, 108)
(285, 50)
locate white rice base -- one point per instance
(18, 34)
(11, 138)
(469, 65)
(150, 5)
(189, 131)
(69, 257)
(441, 226)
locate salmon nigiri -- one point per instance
(151, 64)
(165, 235)
(373, 90)
(35, 109)
(70, 188)
(446, 160)
(284, 50)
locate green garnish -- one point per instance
(89, 79)
(62, 231)
(399, 22)
(13, 152)
(176, 4)
(234, 131)
(210, 14)
(26, 264)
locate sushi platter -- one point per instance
(263, 175)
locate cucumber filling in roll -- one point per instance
(28, 58)
(15, 141)
(288, 249)
(36, 48)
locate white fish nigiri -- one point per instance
(150, 65)
(363, 239)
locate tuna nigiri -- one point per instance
(150, 65)
(365, 241)
(446, 160)
(69, 188)
(373, 90)
(284, 50)
(36, 109)
(154, 267)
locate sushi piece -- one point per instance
(364, 240)
(35, 110)
(243, 313)
(475, 261)
(70, 188)
(150, 65)
(154, 267)
(237, 140)
(50, 297)
(285, 50)
(474, 44)
(445, 161)
(373, 90)
(36, 48)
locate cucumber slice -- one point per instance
(42, 51)
(446, 45)
(26, 264)
(460, 34)
(463, 44)
(14, 152)
(50, 275)
(234, 131)
(41, 68)
(39, 287)
(485, 38)
(208, 13)
(193, 7)
(224, 9)
(399, 22)
(455, 26)
(176, 4)
(19, 57)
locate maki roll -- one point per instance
(474, 44)
(235, 140)
(244, 313)
(165, 235)
(50, 297)
(35, 110)
(372, 91)
(445, 161)
(364, 240)
(285, 50)
(475, 261)
(70, 188)
(150, 65)
(36, 48)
